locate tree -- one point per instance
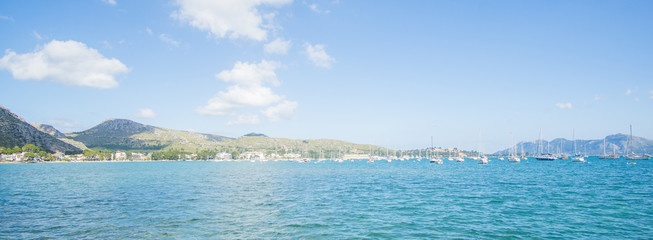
(30, 148)
(16, 149)
(29, 156)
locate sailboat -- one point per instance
(371, 160)
(629, 154)
(483, 159)
(577, 157)
(605, 156)
(541, 156)
(435, 159)
(513, 151)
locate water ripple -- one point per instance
(287, 200)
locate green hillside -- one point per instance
(123, 134)
(14, 131)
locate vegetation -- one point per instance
(30, 152)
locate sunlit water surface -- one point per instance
(290, 200)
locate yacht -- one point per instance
(577, 157)
(631, 155)
(436, 160)
(483, 160)
(543, 156)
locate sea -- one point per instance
(599, 199)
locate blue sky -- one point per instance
(468, 73)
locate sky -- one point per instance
(478, 75)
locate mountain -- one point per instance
(588, 147)
(127, 135)
(123, 134)
(14, 131)
(253, 134)
(328, 147)
(57, 134)
(49, 130)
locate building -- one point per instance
(223, 156)
(139, 157)
(16, 157)
(59, 155)
(292, 156)
(252, 156)
(120, 156)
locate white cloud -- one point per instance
(110, 2)
(106, 44)
(67, 62)
(283, 110)
(145, 113)
(249, 119)
(232, 18)
(37, 35)
(316, 9)
(318, 56)
(628, 92)
(167, 39)
(564, 105)
(278, 46)
(148, 30)
(250, 90)
(8, 18)
(597, 97)
(651, 92)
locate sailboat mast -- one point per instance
(539, 146)
(604, 146)
(627, 148)
(574, 136)
(630, 140)
(430, 151)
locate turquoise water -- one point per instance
(352, 200)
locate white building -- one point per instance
(223, 156)
(292, 156)
(120, 156)
(16, 157)
(252, 156)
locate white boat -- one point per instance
(543, 156)
(460, 159)
(629, 154)
(483, 160)
(436, 160)
(577, 157)
(513, 151)
(606, 156)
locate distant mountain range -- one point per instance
(123, 134)
(14, 131)
(127, 135)
(614, 143)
